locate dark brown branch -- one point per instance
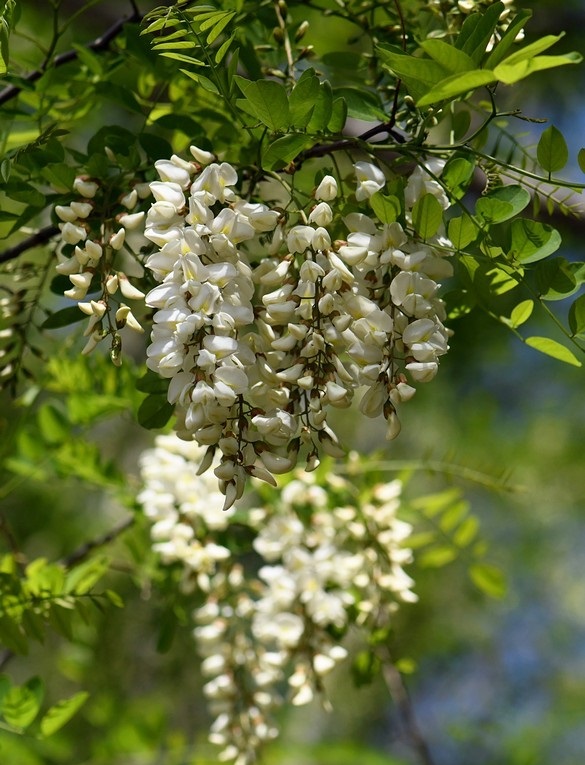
(99, 44)
(399, 693)
(82, 552)
(41, 237)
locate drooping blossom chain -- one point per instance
(341, 566)
(94, 227)
(263, 323)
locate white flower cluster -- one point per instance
(259, 339)
(91, 235)
(341, 565)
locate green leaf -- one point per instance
(219, 26)
(577, 316)
(466, 532)
(581, 159)
(553, 348)
(477, 32)
(530, 51)
(154, 412)
(266, 100)
(5, 169)
(532, 241)
(502, 204)
(53, 424)
(303, 98)
(427, 216)
(60, 176)
(556, 279)
(61, 712)
(462, 231)
(502, 279)
(150, 382)
(457, 175)
(552, 151)
(223, 48)
(21, 704)
(200, 79)
(489, 579)
(282, 151)
(183, 58)
(418, 74)
(508, 38)
(520, 314)
(322, 110)
(437, 557)
(459, 302)
(114, 598)
(63, 318)
(457, 85)
(338, 118)
(386, 208)
(450, 58)
(11, 635)
(461, 122)
(86, 575)
(511, 73)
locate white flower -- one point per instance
(84, 188)
(370, 180)
(327, 189)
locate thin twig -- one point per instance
(41, 237)
(99, 44)
(400, 695)
(82, 552)
(285, 42)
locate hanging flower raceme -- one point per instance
(266, 638)
(261, 339)
(94, 231)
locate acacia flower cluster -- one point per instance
(92, 232)
(325, 563)
(264, 321)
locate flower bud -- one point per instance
(327, 189)
(84, 188)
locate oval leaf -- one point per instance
(554, 349)
(521, 313)
(154, 412)
(22, 703)
(577, 316)
(427, 216)
(489, 579)
(59, 714)
(502, 204)
(552, 151)
(532, 241)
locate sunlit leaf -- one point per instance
(462, 231)
(577, 316)
(521, 313)
(553, 348)
(266, 100)
(21, 703)
(386, 208)
(489, 579)
(61, 712)
(502, 204)
(533, 241)
(427, 216)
